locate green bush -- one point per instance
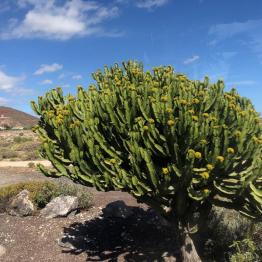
(42, 192)
(8, 154)
(245, 251)
(177, 144)
(21, 139)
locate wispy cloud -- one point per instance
(53, 20)
(77, 77)
(191, 60)
(8, 82)
(3, 101)
(242, 83)
(250, 31)
(47, 82)
(150, 4)
(48, 69)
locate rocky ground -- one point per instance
(86, 236)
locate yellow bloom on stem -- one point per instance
(205, 175)
(165, 170)
(191, 152)
(210, 167)
(231, 150)
(195, 118)
(164, 98)
(195, 101)
(169, 110)
(205, 191)
(145, 128)
(198, 155)
(170, 122)
(112, 161)
(151, 120)
(220, 159)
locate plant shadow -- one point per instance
(139, 237)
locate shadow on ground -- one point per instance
(140, 237)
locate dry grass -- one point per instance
(19, 145)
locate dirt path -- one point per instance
(23, 163)
(14, 175)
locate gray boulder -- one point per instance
(60, 207)
(117, 209)
(20, 205)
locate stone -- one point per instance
(2, 250)
(60, 207)
(117, 209)
(20, 205)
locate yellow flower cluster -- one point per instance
(151, 120)
(183, 102)
(195, 118)
(165, 170)
(164, 98)
(231, 150)
(112, 161)
(221, 159)
(170, 122)
(195, 101)
(210, 167)
(203, 142)
(198, 155)
(169, 110)
(204, 175)
(206, 191)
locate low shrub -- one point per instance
(231, 237)
(42, 192)
(31, 165)
(21, 139)
(7, 154)
(30, 155)
(244, 251)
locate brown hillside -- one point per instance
(14, 118)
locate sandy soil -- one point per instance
(23, 163)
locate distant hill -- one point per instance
(12, 118)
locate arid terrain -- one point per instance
(88, 235)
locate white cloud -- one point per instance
(250, 31)
(48, 69)
(150, 4)
(8, 82)
(53, 20)
(191, 59)
(65, 85)
(47, 82)
(61, 76)
(3, 101)
(77, 77)
(242, 83)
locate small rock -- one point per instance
(21, 205)
(65, 244)
(2, 250)
(60, 207)
(117, 209)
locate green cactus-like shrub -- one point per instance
(176, 144)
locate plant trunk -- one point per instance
(188, 250)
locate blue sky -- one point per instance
(49, 43)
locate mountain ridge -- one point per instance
(14, 118)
